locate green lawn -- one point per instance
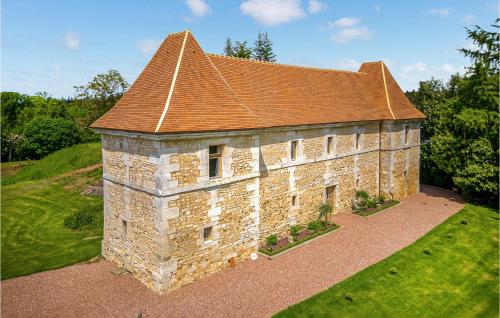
(450, 272)
(33, 237)
(57, 163)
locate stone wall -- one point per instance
(159, 197)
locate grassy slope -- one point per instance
(59, 162)
(458, 279)
(33, 235)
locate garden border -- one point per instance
(271, 257)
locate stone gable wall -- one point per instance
(162, 192)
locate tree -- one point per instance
(263, 48)
(43, 135)
(241, 50)
(228, 48)
(100, 94)
(461, 132)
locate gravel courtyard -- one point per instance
(251, 289)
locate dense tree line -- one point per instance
(460, 134)
(34, 126)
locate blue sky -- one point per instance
(52, 45)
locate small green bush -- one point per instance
(294, 230)
(393, 271)
(349, 298)
(314, 225)
(272, 240)
(372, 203)
(380, 199)
(464, 222)
(89, 216)
(324, 210)
(361, 194)
(427, 251)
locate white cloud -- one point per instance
(273, 12)
(198, 8)
(348, 34)
(377, 8)
(345, 22)
(71, 41)
(147, 46)
(469, 18)
(350, 64)
(412, 74)
(316, 6)
(417, 67)
(442, 12)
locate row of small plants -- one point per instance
(364, 204)
(300, 234)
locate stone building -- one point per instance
(207, 155)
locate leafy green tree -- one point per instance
(99, 95)
(228, 48)
(241, 50)
(460, 136)
(43, 135)
(263, 48)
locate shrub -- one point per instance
(372, 203)
(393, 271)
(89, 216)
(464, 222)
(314, 225)
(43, 135)
(294, 230)
(324, 210)
(349, 298)
(381, 199)
(272, 240)
(427, 251)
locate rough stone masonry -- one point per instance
(159, 198)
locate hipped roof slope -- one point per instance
(182, 89)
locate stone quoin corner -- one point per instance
(207, 155)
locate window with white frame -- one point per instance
(215, 161)
(329, 145)
(294, 149)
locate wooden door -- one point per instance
(330, 196)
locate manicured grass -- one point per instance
(33, 236)
(57, 163)
(450, 272)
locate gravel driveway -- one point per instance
(251, 289)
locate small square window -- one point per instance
(124, 227)
(215, 161)
(293, 149)
(294, 200)
(207, 233)
(358, 138)
(329, 145)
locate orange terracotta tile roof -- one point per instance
(182, 89)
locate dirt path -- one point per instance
(252, 289)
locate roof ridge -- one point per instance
(386, 91)
(286, 65)
(172, 85)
